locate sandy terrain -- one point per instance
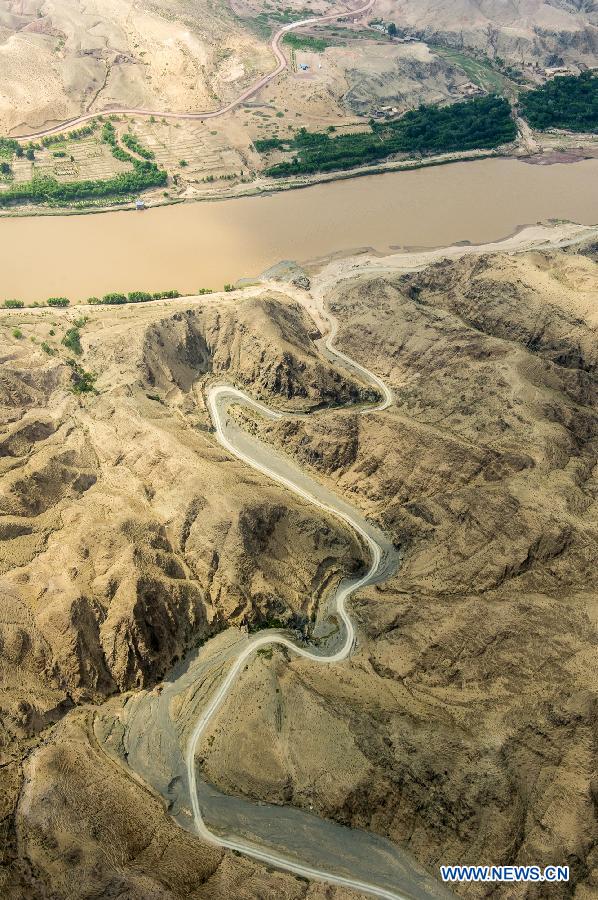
(59, 59)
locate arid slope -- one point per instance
(128, 538)
(465, 726)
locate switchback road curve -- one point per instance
(219, 397)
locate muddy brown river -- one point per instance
(195, 245)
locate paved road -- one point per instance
(281, 65)
(219, 398)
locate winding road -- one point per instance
(219, 397)
(281, 65)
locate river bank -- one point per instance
(190, 246)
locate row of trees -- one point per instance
(481, 123)
(45, 188)
(115, 299)
(133, 143)
(74, 135)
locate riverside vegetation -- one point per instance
(47, 189)
(481, 123)
(565, 102)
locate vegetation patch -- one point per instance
(493, 76)
(133, 143)
(45, 189)
(569, 102)
(482, 123)
(144, 174)
(82, 382)
(58, 301)
(116, 299)
(75, 135)
(72, 341)
(306, 42)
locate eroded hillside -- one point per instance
(128, 536)
(463, 727)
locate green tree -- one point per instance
(58, 301)
(392, 30)
(72, 341)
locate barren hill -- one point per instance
(463, 728)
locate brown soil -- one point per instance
(464, 727)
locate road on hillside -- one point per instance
(381, 564)
(281, 65)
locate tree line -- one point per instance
(481, 123)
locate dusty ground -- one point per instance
(464, 726)
(127, 539)
(58, 60)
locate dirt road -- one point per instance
(281, 65)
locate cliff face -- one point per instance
(547, 32)
(465, 726)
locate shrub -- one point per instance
(93, 301)
(58, 301)
(205, 291)
(72, 341)
(139, 297)
(183, 163)
(82, 382)
(47, 349)
(13, 304)
(8, 146)
(229, 287)
(17, 333)
(166, 295)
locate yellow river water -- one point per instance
(195, 245)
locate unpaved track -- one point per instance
(281, 65)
